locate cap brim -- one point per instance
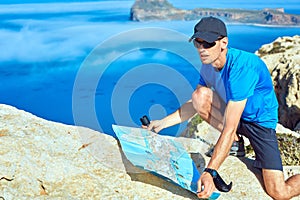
(206, 36)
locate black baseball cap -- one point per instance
(209, 29)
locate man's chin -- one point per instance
(205, 62)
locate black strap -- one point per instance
(218, 181)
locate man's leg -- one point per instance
(209, 106)
(265, 145)
(277, 187)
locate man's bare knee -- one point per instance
(202, 92)
(202, 100)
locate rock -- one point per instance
(47, 160)
(283, 60)
(282, 129)
(145, 10)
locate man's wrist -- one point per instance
(212, 172)
(218, 181)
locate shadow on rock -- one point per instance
(256, 171)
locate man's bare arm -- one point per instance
(233, 114)
(185, 112)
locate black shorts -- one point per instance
(264, 142)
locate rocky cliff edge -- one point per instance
(283, 60)
(149, 10)
(46, 160)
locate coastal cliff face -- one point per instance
(46, 160)
(283, 60)
(145, 10)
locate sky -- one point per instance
(41, 1)
(179, 1)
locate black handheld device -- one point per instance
(145, 120)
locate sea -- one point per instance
(85, 63)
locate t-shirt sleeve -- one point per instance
(201, 81)
(242, 83)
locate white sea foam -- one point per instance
(62, 39)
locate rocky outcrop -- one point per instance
(145, 10)
(46, 160)
(283, 60)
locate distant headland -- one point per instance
(152, 10)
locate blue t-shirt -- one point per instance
(244, 76)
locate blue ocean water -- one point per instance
(48, 48)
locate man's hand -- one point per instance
(155, 126)
(206, 186)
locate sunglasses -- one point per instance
(204, 44)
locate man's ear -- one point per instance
(224, 42)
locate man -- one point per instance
(235, 95)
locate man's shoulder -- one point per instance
(239, 52)
(243, 56)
